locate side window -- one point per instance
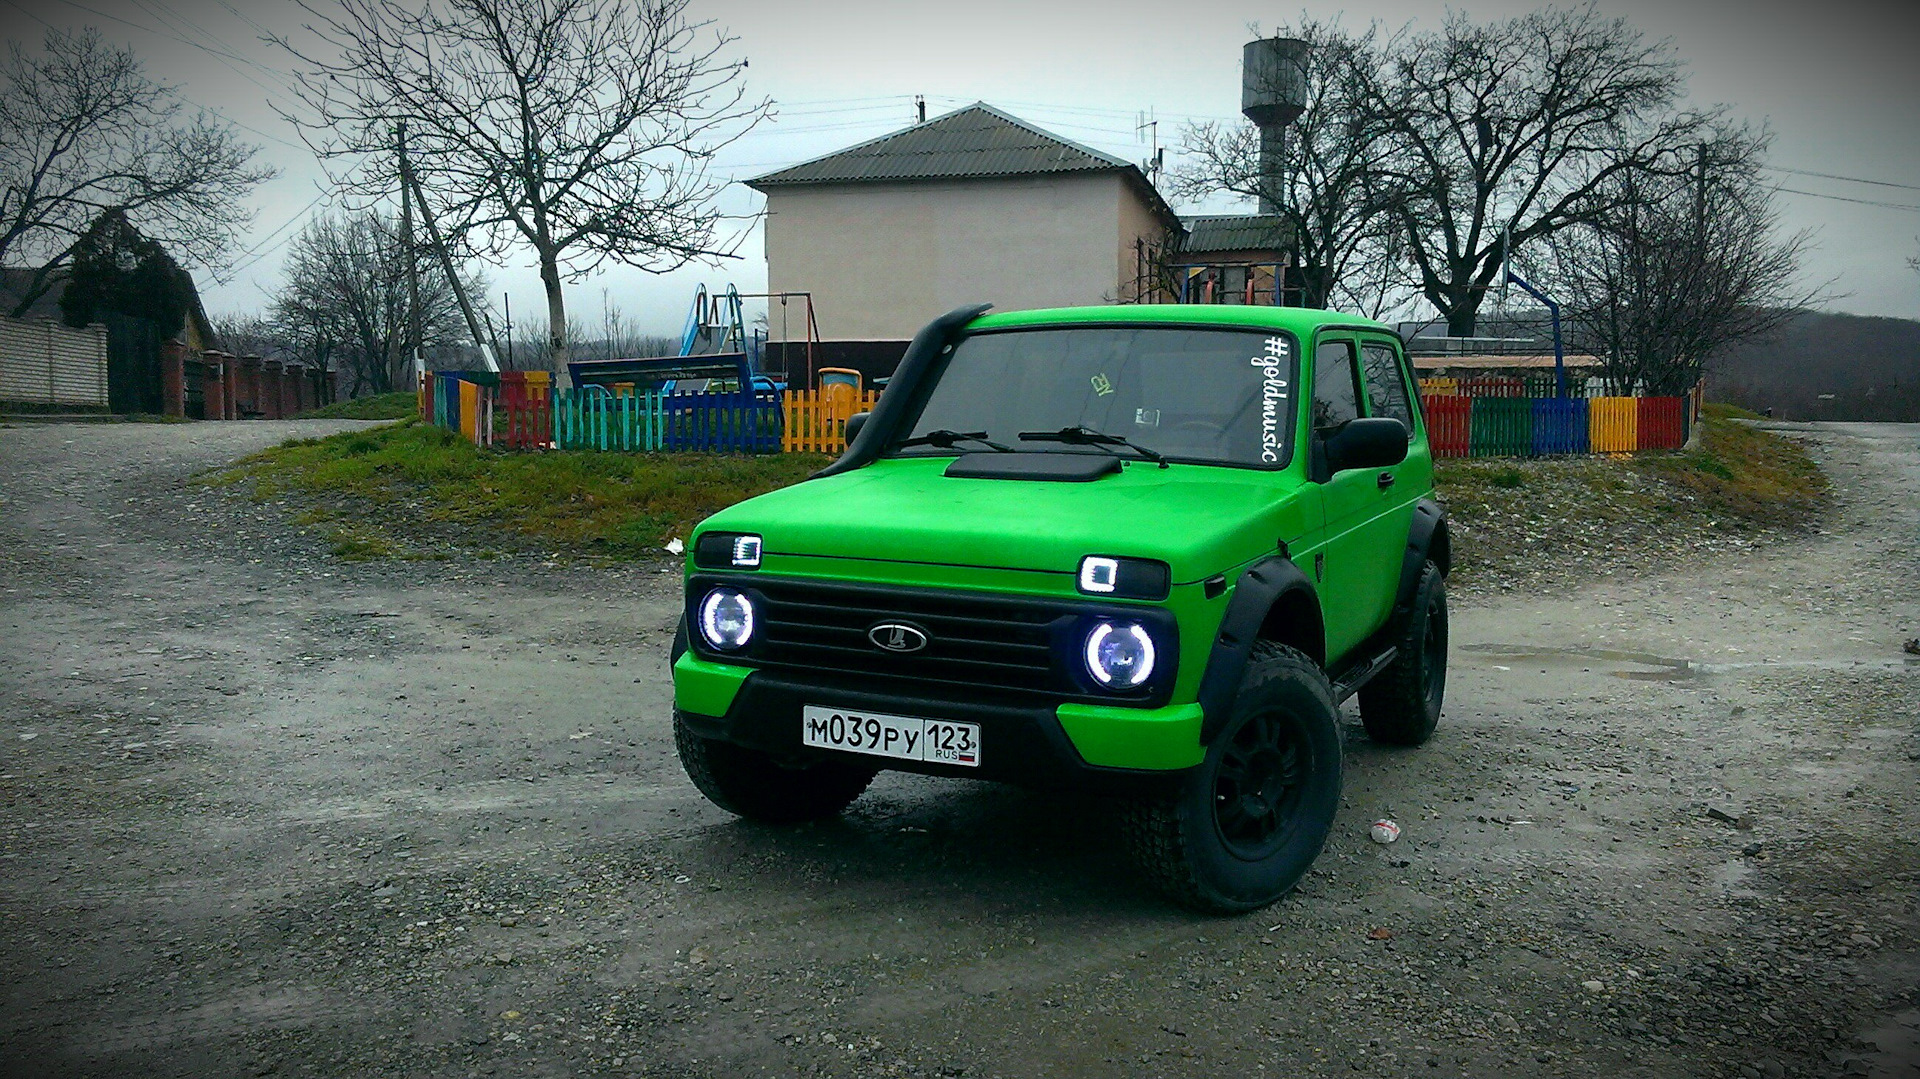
(1335, 397)
(1386, 387)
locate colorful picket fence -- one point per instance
(521, 410)
(1480, 417)
(1460, 426)
(817, 419)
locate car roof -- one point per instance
(1301, 321)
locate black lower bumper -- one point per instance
(1021, 744)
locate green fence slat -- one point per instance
(1501, 427)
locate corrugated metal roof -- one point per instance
(1235, 232)
(977, 141)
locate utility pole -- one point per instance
(414, 363)
(1700, 198)
(446, 262)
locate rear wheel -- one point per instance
(1246, 825)
(1401, 705)
(762, 787)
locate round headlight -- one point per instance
(726, 619)
(1120, 654)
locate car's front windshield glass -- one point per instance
(1190, 394)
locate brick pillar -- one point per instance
(290, 377)
(250, 384)
(214, 386)
(173, 378)
(231, 378)
(268, 400)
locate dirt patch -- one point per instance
(268, 812)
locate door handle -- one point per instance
(1385, 481)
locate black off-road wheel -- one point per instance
(1401, 705)
(1247, 823)
(761, 787)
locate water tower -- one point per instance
(1273, 94)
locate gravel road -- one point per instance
(266, 813)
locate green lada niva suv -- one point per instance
(1142, 551)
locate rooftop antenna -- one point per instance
(1145, 122)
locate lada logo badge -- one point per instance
(897, 637)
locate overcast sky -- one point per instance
(1838, 82)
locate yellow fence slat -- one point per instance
(469, 409)
(817, 419)
(1439, 387)
(1613, 425)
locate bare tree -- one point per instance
(84, 132)
(1324, 191)
(346, 298)
(1679, 268)
(580, 128)
(245, 334)
(1509, 132)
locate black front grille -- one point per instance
(997, 644)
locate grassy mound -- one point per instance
(418, 479)
(1741, 471)
(380, 406)
(1534, 523)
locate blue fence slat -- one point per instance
(1559, 425)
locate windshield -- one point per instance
(1206, 395)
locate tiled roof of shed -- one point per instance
(977, 141)
(1235, 232)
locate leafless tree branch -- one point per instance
(345, 298)
(1676, 269)
(583, 129)
(1509, 132)
(84, 131)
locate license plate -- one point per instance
(937, 741)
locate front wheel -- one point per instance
(1248, 822)
(761, 787)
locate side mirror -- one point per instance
(854, 423)
(1380, 442)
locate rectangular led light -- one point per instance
(746, 551)
(1099, 574)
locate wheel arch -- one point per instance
(1273, 600)
(1428, 538)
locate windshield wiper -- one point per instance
(1087, 436)
(944, 439)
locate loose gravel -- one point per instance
(265, 812)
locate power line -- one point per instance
(1835, 176)
(216, 54)
(1843, 198)
(246, 260)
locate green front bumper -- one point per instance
(1105, 736)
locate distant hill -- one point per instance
(1870, 365)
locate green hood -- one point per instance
(1193, 517)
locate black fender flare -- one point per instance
(1428, 537)
(1259, 588)
(906, 390)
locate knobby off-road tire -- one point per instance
(1247, 823)
(1402, 703)
(755, 785)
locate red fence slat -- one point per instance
(1662, 423)
(1449, 425)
